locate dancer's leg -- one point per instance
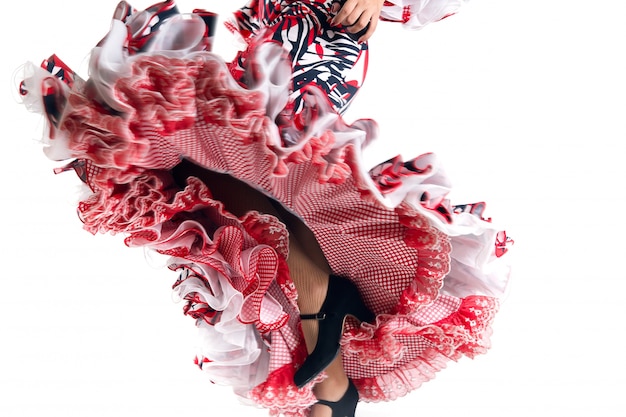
(308, 267)
(311, 281)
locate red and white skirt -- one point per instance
(432, 272)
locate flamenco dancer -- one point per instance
(314, 281)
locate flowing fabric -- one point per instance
(432, 272)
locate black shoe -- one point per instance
(342, 300)
(346, 406)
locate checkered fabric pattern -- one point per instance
(386, 229)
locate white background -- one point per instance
(524, 102)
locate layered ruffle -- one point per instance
(415, 14)
(432, 272)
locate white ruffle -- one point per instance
(421, 12)
(230, 352)
(474, 268)
(33, 78)
(179, 36)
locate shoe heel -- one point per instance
(342, 300)
(356, 307)
(362, 314)
(346, 406)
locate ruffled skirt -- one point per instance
(433, 273)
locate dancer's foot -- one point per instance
(338, 397)
(342, 300)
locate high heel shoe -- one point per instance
(342, 300)
(346, 406)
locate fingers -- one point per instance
(370, 30)
(360, 22)
(342, 17)
(356, 16)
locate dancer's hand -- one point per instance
(356, 15)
